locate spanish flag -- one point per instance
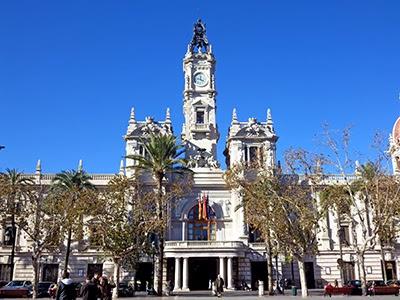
(205, 207)
(200, 207)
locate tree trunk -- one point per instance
(160, 256)
(303, 280)
(14, 239)
(383, 262)
(35, 279)
(161, 267)
(116, 278)
(270, 283)
(340, 250)
(68, 249)
(361, 261)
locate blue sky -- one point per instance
(71, 70)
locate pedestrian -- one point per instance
(335, 283)
(219, 284)
(106, 288)
(89, 290)
(66, 288)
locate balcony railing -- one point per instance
(201, 127)
(203, 244)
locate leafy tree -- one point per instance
(255, 186)
(122, 220)
(15, 189)
(162, 158)
(41, 221)
(72, 193)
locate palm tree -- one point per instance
(74, 185)
(14, 187)
(162, 157)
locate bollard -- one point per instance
(294, 290)
(260, 288)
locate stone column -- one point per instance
(229, 274)
(184, 226)
(185, 283)
(222, 268)
(177, 285)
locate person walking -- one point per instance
(219, 284)
(89, 289)
(66, 289)
(106, 288)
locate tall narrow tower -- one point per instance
(199, 132)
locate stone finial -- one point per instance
(80, 166)
(270, 123)
(38, 167)
(234, 116)
(168, 116)
(132, 119)
(269, 117)
(121, 168)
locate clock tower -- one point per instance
(199, 132)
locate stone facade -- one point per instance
(197, 250)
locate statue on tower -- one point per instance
(199, 39)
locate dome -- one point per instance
(396, 131)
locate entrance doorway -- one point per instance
(50, 272)
(309, 268)
(144, 274)
(348, 271)
(94, 269)
(390, 266)
(201, 270)
(259, 271)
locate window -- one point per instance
(253, 154)
(5, 271)
(255, 235)
(344, 235)
(200, 117)
(200, 229)
(9, 236)
(253, 151)
(94, 236)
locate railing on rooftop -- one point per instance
(330, 178)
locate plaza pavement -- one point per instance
(239, 295)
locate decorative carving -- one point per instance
(199, 39)
(253, 127)
(202, 159)
(151, 127)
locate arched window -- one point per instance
(200, 229)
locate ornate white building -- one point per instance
(220, 243)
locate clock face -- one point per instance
(200, 79)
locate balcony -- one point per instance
(203, 245)
(201, 127)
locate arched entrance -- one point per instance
(202, 226)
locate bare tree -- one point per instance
(373, 196)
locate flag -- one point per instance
(200, 208)
(205, 207)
